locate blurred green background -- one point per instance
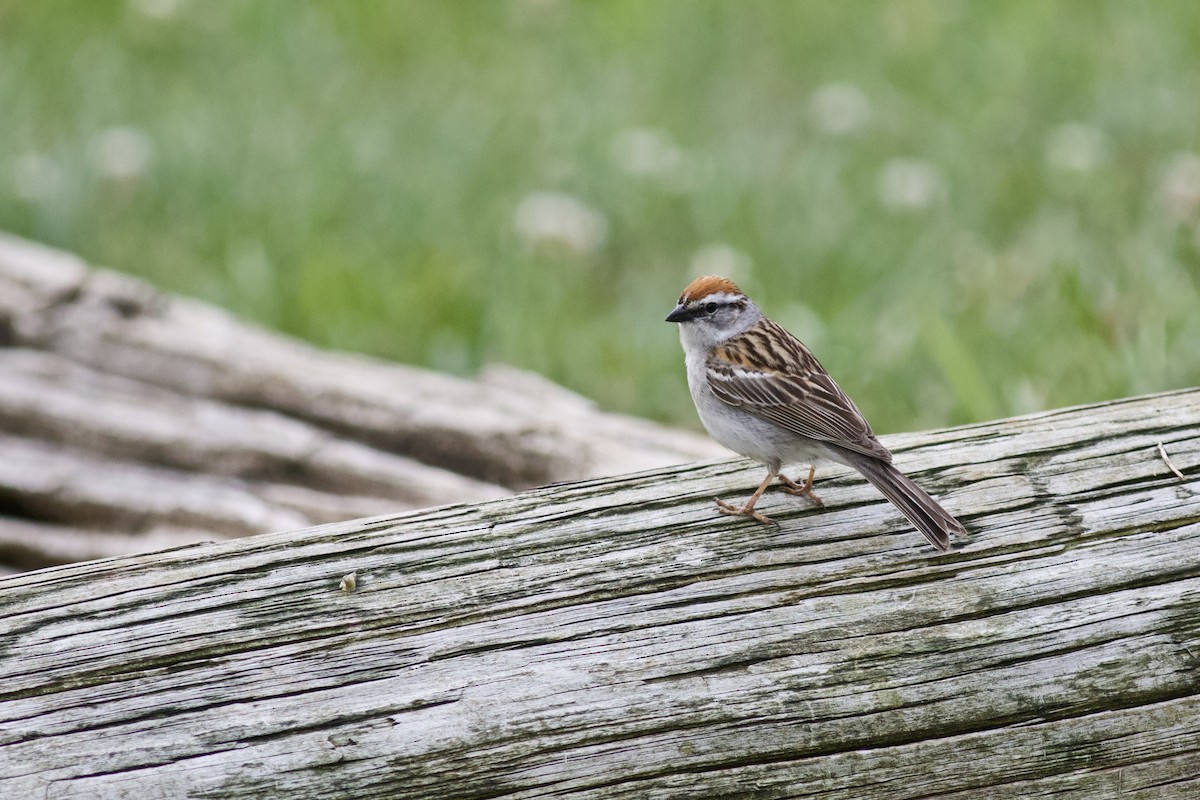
(968, 209)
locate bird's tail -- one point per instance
(921, 510)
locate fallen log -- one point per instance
(130, 413)
(617, 638)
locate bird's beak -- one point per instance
(681, 314)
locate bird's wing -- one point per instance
(771, 374)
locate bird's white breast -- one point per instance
(739, 430)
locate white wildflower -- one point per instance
(121, 153)
(157, 9)
(840, 108)
(1179, 190)
(1075, 147)
(721, 259)
(910, 184)
(554, 219)
(645, 153)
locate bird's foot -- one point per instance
(743, 511)
(792, 487)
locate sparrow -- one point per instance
(762, 393)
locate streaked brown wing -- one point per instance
(789, 388)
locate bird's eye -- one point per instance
(710, 308)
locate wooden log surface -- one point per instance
(617, 638)
(129, 417)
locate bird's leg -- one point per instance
(791, 487)
(748, 509)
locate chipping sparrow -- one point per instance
(761, 393)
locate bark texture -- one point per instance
(130, 419)
(617, 638)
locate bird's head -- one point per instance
(711, 310)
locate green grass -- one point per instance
(351, 172)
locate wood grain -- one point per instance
(616, 638)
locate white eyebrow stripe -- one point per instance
(719, 297)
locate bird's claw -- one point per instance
(792, 487)
(743, 511)
(809, 493)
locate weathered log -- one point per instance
(127, 412)
(506, 428)
(618, 638)
(50, 397)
